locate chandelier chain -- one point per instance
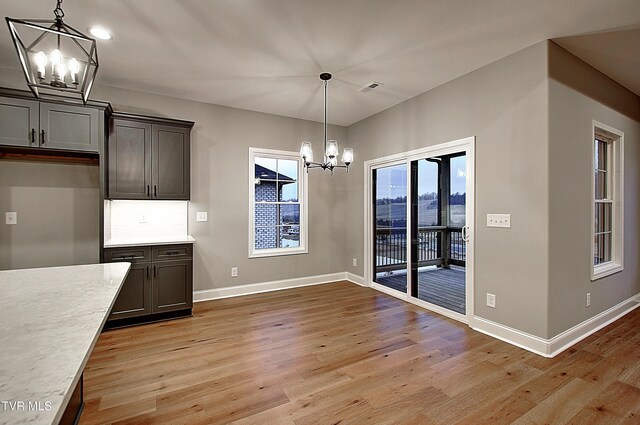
(58, 12)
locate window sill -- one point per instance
(605, 270)
(277, 252)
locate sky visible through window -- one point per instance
(395, 186)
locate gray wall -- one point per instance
(579, 94)
(505, 106)
(58, 211)
(219, 184)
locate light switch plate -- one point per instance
(499, 220)
(11, 217)
(201, 216)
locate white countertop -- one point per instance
(50, 320)
(115, 243)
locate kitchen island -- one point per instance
(50, 320)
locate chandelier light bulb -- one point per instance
(56, 57)
(347, 156)
(61, 70)
(332, 149)
(74, 68)
(306, 153)
(41, 63)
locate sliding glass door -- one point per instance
(438, 186)
(419, 222)
(390, 226)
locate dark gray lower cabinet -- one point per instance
(172, 285)
(160, 281)
(135, 296)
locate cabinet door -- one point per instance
(134, 298)
(170, 155)
(19, 122)
(129, 160)
(172, 285)
(69, 127)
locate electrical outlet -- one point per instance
(355, 262)
(234, 271)
(11, 217)
(499, 220)
(588, 299)
(201, 216)
(491, 300)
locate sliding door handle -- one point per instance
(465, 233)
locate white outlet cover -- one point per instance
(491, 300)
(201, 216)
(234, 271)
(11, 217)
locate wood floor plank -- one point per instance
(340, 353)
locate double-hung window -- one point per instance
(607, 190)
(277, 203)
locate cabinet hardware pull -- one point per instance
(155, 272)
(33, 135)
(148, 193)
(155, 191)
(147, 269)
(128, 257)
(172, 252)
(43, 138)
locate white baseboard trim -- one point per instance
(566, 339)
(275, 285)
(354, 278)
(554, 346)
(512, 336)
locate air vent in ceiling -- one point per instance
(372, 85)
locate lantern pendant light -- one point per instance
(56, 59)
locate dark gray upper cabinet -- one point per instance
(19, 118)
(69, 127)
(33, 124)
(170, 157)
(149, 158)
(129, 160)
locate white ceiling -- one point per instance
(616, 54)
(265, 55)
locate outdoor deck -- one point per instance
(441, 286)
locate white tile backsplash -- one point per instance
(161, 219)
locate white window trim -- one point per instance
(616, 170)
(304, 209)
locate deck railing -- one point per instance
(391, 247)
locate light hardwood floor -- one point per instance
(340, 353)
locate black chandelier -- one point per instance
(56, 58)
(331, 150)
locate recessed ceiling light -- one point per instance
(101, 33)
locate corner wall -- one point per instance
(579, 94)
(504, 105)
